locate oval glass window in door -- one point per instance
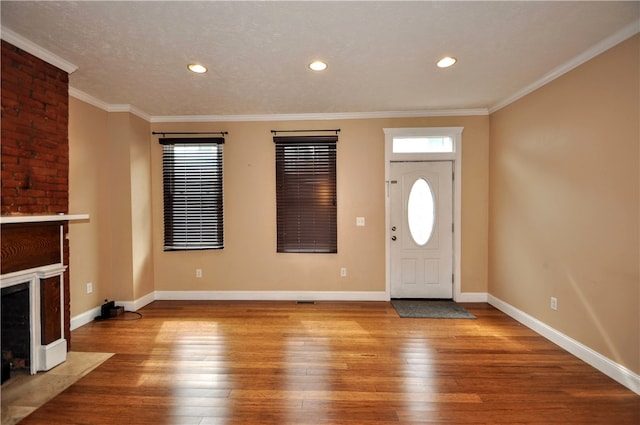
(421, 211)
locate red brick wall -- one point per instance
(35, 148)
(34, 143)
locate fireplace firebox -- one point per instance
(16, 325)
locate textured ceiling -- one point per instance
(381, 55)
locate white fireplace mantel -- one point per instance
(43, 357)
(11, 219)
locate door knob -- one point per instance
(393, 238)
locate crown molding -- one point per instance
(620, 36)
(37, 51)
(131, 109)
(87, 98)
(80, 95)
(320, 116)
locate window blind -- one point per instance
(193, 193)
(306, 194)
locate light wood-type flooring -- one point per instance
(207, 362)
(24, 393)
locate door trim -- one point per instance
(456, 157)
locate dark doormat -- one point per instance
(431, 309)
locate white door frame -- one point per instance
(456, 156)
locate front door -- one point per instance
(421, 198)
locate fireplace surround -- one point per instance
(32, 249)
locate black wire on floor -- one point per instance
(132, 312)
(121, 317)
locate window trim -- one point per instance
(286, 226)
(418, 132)
(456, 157)
(180, 241)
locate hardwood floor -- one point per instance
(329, 363)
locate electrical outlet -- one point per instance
(359, 221)
(343, 272)
(89, 287)
(198, 273)
(554, 303)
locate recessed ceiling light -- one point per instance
(197, 68)
(318, 66)
(446, 62)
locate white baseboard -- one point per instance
(273, 295)
(88, 316)
(139, 303)
(84, 318)
(605, 365)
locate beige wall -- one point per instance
(249, 261)
(564, 204)
(90, 247)
(140, 214)
(120, 197)
(109, 179)
(116, 178)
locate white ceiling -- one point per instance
(381, 54)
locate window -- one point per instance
(192, 182)
(421, 212)
(306, 194)
(422, 144)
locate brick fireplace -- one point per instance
(35, 190)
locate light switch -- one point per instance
(359, 221)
